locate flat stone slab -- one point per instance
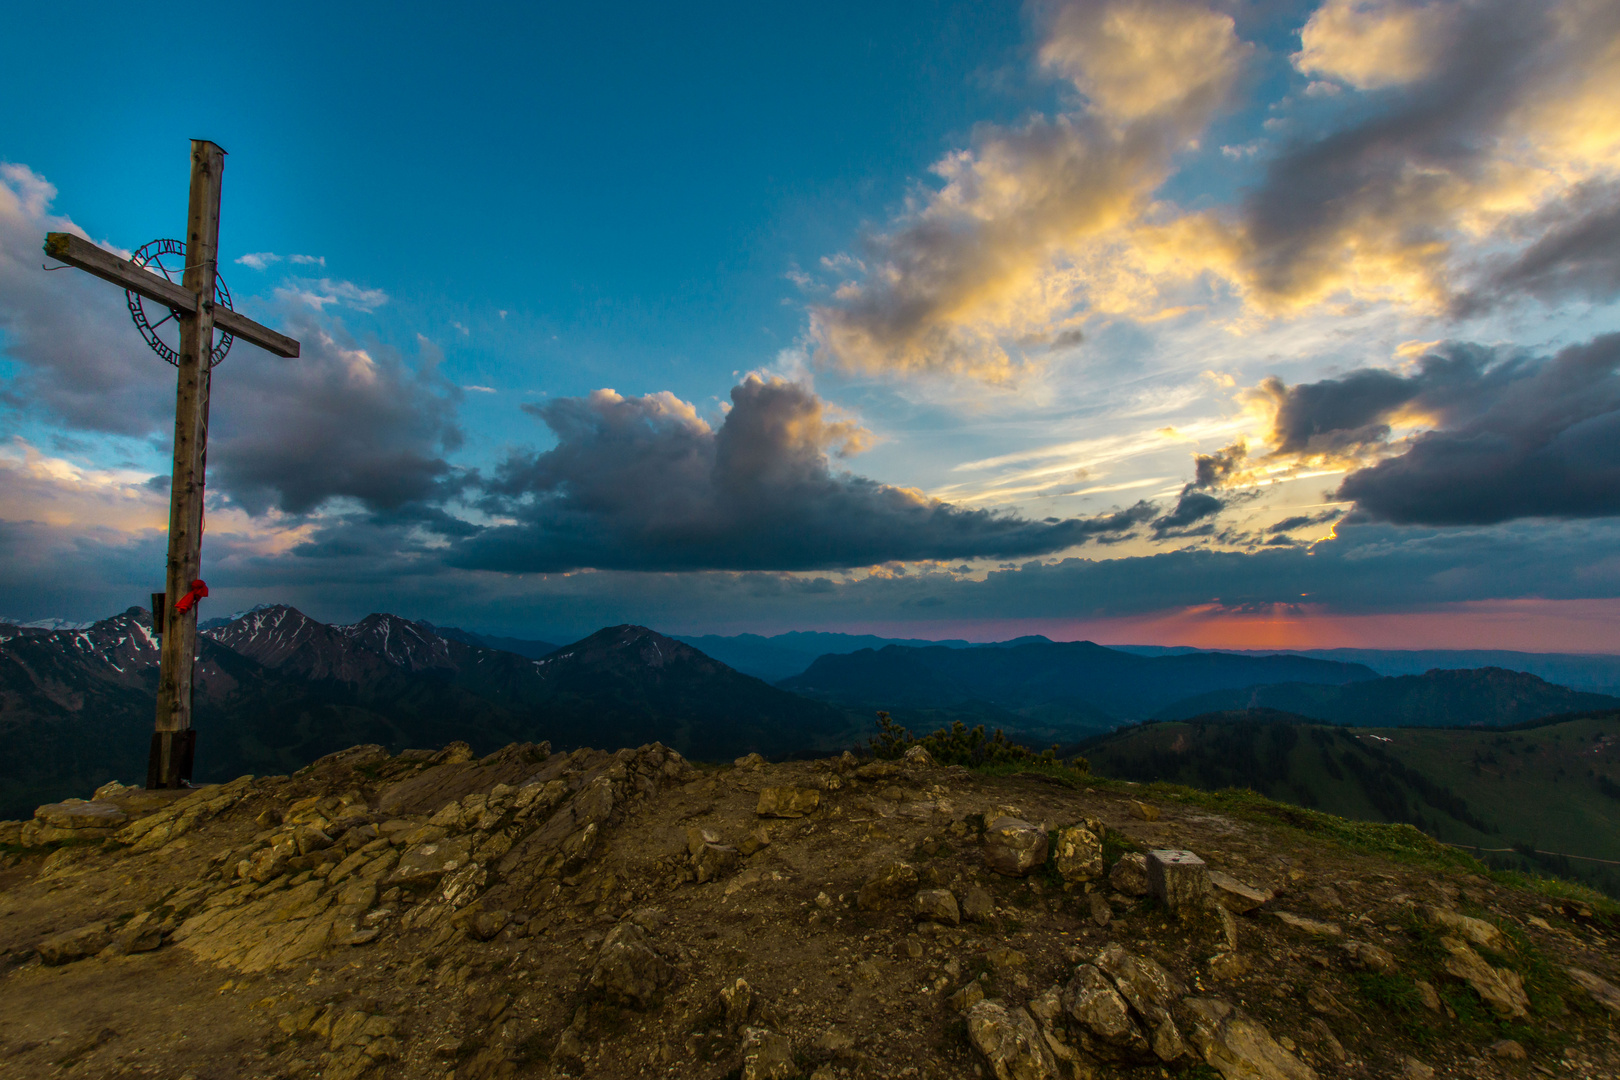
(80, 814)
(1236, 896)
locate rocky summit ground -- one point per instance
(630, 914)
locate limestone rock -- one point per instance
(424, 864)
(1079, 854)
(1149, 990)
(1310, 926)
(1240, 1047)
(967, 997)
(75, 944)
(938, 905)
(1236, 896)
(1014, 847)
(918, 758)
(1101, 912)
(76, 814)
(1371, 957)
(1092, 1000)
(738, 999)
(1144, 811)
(486, 924)
(1603, 992)
(1177, 879)
(1501, 989)
(978, 905)
(890, 882)
(628, 970)
(787, 802)
(1010, 1042)
(753, 841)
(749, 761)
(767, 1055)
(715, 861)
(1129, 875)
(1475, 930)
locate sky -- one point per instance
(1258, 325)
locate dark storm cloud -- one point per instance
(645, 483)
(1195, 504)
(1544, 441)
(340, 421)
(1512, 435)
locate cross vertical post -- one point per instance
(173, 739)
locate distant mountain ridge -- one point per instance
(1063, 689)
(1490, 697)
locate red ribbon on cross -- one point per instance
(199, 589)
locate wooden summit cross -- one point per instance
(200, 303)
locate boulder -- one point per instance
(787, 802)
(75, 814)
(75, 944)
(1144, 811)
(967, 997)
(890, 882)
(1129, 875)
(1010, 1043)
(1094, 1003)
(1014, 847)
(425, 864)
(767, 1055)
(1149, 990)
(1477, 931)
(1234, 895)
(937, 905)
(1239, 1047)
(627, 970)
(749, 761)
(1501, 989)
(1177, 879)
(1079, 854)
(918, 758)
(978, 905)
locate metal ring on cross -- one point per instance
(168, 257)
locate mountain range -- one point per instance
(276, 689)
(1045, 689)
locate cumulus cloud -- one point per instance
(78, 360)
(646, 483)
(1488, 113)
(1454, 156)
(977, 275)
(341, 421)
(1498, 434)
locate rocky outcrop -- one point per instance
(413, 916)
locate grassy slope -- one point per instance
(1533, 786)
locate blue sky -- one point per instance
(1279, 292)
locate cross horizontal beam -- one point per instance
(79, 252)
